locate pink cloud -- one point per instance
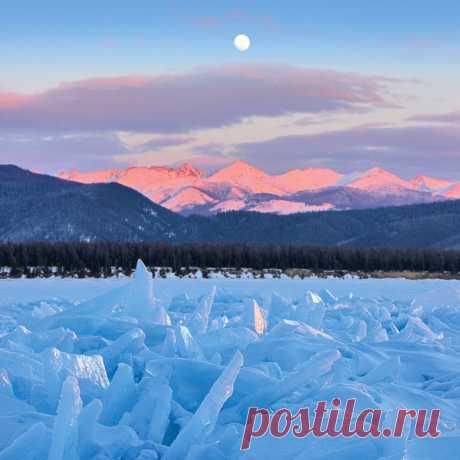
(107, 83)
(204, 98)
(13, 100)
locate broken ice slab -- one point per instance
(328, 297)
(122, 349)
(64, 442)
(22, 366)
(289, 344)
(254, 316)
(6, 387)
(199, 321)
(31, 445)
(347, 449)
(288, 328)
(182, 303)
(134, 300)
(87, 325)
(204, 419)
(280, 308)
(191, 380)
(227, 340)
(17, 417)
(421, 363)
(444, 447)
(150, 415)
(187, 346)
(314, 368)
(89, 371)
(310, 310)
(120, 396)
(147, 455)
(438, 298)
(87, 427)
(387, 371)
(416, 330)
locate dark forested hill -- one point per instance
(39, 207)
(435, 225)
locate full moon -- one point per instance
(242, 42)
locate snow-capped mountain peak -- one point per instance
(242, 186)
(247, 177)
(430, 183)
(109, 175)
(188, 198)
(237, 169)
(453, 191)
(297, 180)
(377, 179)
(186, 169)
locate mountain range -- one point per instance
(243, 187)
(39, 207)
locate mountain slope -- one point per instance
(187, 198)
(454, 191)
(39, 207)
(246, 177)
(298, 180)
(377, 179)
(156, 182)
(434, 225)
(241, 186)
(428, 183)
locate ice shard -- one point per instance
(31, 445)
(135, 299)
(315, 367)
(205, 418)
(64, 444)
(187, 347)
(150, 415)
(253, 316)
(198, 323)
(120, 397)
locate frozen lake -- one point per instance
(143, 369)
(28, 290)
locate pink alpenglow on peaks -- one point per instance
(454, 191)
(378, 179)
(298, 180)
(240, 186)
(431, 183)
(247, 177)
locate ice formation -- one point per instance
(136, 375)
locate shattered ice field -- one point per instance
(152, 369)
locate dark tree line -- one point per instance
(97, 259)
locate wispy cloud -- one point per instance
(407, 149)
(451, 117)
(163, 141)
(10, 100)
(51, 152)
(178, 103)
